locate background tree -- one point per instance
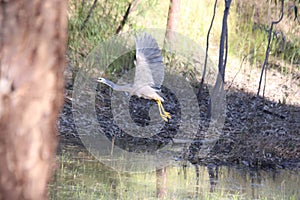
(173, 18)
(172, 25)
(32, 60)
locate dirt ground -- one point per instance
(258, 133)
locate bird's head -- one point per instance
(101, 80)
(106, 82)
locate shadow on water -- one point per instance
(82, 177)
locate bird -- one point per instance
(149, 73)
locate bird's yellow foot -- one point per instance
(164, 114)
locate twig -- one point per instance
(243, 60)
(132, 6)
(238, 71)
(89, 14)
(265, 65)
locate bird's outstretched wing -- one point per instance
(149, 64)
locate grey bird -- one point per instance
(149, 73)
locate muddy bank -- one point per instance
(257, 133)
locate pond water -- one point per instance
(83, 177)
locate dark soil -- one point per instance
(258, 133)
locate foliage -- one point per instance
(248, 26)
(102, 23)
(250, 30)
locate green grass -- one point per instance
(248, 36)
(245, 37)
(102, 23)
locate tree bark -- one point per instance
(32, 59)
(161, 183)
(218, 90)
(173, 18)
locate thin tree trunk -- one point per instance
(206, 51)
(32, 59)
(217, 94)
(265, 65)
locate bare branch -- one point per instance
(131, 7)
(265, 65)
(89, 14)
(125, 17)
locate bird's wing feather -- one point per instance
(149, 64)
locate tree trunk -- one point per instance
(173, 18)
(218, 90)
(172, 24)
(161, 183)
(32, 59)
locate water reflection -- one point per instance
(83, 178)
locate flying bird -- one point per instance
(149, 73)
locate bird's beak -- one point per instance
(98, 79)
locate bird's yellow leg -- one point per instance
(164, 114)
(167, 114)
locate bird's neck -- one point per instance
(115, 87)
(125, 88)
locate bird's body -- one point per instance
(148, 92)
(149, 73)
